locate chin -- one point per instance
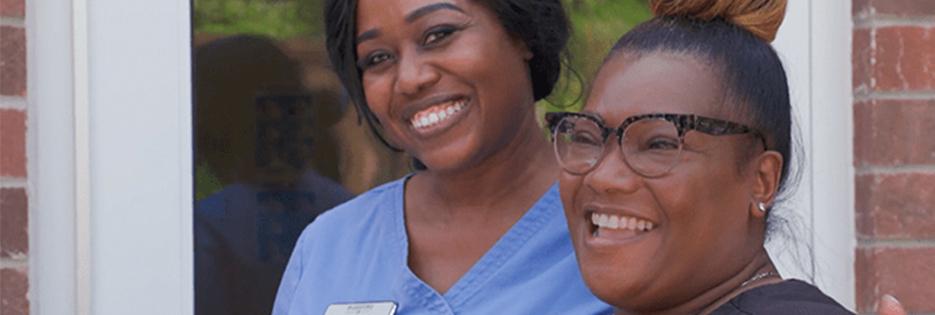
(451, 157)
(608, 288)
(617, 285)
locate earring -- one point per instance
(761, 206)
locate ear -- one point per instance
(521, 46)
(527, 53)
(767, 170)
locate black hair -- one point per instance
(754, 78)
(541, 24)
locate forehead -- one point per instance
(656, 82)
(373, 13)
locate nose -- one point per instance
(415, 73)
(612, 174)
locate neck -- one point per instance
(760, 272)
(751, 276)
(524, 166)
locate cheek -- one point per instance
(377, 92)
(498, 68)
(568, 188)
(704, 204)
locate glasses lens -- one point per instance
(578, 144)
(652, 146)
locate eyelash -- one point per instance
(439, 33)
(371, 60)
(432, 38)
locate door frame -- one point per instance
(111, 157)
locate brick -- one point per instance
(14, 287)
(896, 206)
(905, 59)
(12, 8)
(907, 273)
(12, 143)
(895, 7)
(894, 132)
(14, 222)
(12, 61)
(862, 53)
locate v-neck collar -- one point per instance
(485, 268)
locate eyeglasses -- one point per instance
(651, 143)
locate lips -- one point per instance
(434, 115)
(437, 114)
(610, 226)
(620, 222)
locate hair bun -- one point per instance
(760, 17)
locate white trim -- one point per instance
(140, 162)
(82, 156)
(109, 147)
(815, 45)
(50, 144)
(833, 150)
(791, 250)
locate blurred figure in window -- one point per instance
(266, 167)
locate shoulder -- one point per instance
(372, 202)
(787, 297)
(365, 215)
(329, 253)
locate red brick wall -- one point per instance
(894, 148)
(14, 245)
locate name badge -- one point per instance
(365, 308)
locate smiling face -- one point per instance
(445, 80)
(687, 230)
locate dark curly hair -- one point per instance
(542, 25)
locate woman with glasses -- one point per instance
(478, 228)
(671, 171)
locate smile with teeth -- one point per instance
(615, 222)
(436, 114)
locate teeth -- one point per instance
(436, 114)
(610, 221)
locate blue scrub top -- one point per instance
(357, 252)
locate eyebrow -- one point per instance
(368, 35)
(412, 16)
(423, 11)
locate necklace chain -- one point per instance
(758, 277)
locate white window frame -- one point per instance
(815, 46)
(110, 152)
(110, 157)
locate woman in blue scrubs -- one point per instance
(478, 229)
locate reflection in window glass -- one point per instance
(277, 144)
